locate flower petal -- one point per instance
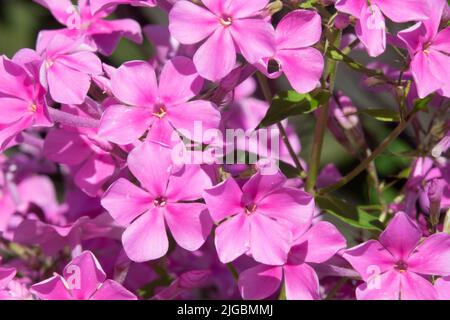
(112, 290)
(381, 287)
(305, 22)
(301, 282)
(51, 289)
(232, 238)
(432, 257)
(415, 287)
(259, 282)
(223, 200)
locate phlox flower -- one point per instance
(6, 276)
(22, 100)
(442, 286)
(302, 65)
(97, 5)
(82, 279)
(229, 26)
(262, 218)
(92, 28)
(429, 49)
(67, 68)
(166, 198)
(371, 25)
(160, 108)
(316, 245)
(398, 264)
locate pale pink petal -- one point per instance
(51, 289)
(83, 61)
(193, 175)
(270, 241)
(369, 258)
(219, 45)
(302, 67)
(112, 290)
(425, 81)
(123, 124)
(162, 132)
(255, 38)
(190, 23)
(224, 199)
(84, 275)
(259, 282)
(401, 236)
(382, 287)
(415, 287)
(67, 85)
(134, 83)
(442, 286)
(151, 164)
(301, 282)
(6, 275)
(432, 256)
(12, 109)
(146, 238)
(94, 173)
(414, 38)
(411, 10)
(179, 81)
(14, 81)
(371, 30)
(189, 224)
(245, 8)
(440, 66)
(442, 41)
(124, 201)
(260, 185)
(352, 7)
(60, 9)
(232, 238)
(305, 22)
(320, 242)
(201, 113)
(216, 6)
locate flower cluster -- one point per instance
(180, 176)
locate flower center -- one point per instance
(401, 266)
(161, 111)
(250, 209)
(32, 107)
(226, 21)
(160, 202)
(48, 64)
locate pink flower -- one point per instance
(228, 26)
(371, 25)
(397, 266)
(166, 198)
(262, 218)
(92, 28)
(83, 279)
(316, 245)
(67, 68)
(160, 107)
(442, 286)
(6, 277)
(429, 49)
(22, 100)
(302, 65)
(97, 5)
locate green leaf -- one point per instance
(292, 103)
(422, 104)
(386, 115)
(354, 216)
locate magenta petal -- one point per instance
(371, 30)
(53, 288)
(6, 275)
(255, 38)
(411, 10)
(322, 241)
(426, 82)
(125, 202)
(13, 109)
(146, 238)
(302, 67)
(193, 175)
(259, 282)
(60, 9)
(369, 258)
(270, 241)
(442, 286)
(179, 81)
(219, 45)
(305, 22)
(185, 117)
(66, 147)
(124, 125)
(190, 23)
(415, 287)
(352, 7)
(440, 66)
(224, 199)
(134, 83)
(112, 290)
(301, 282)
(189, 224)
(442, 41)
(94, 173)
(401, 236)
(232, 238)
(84, 275)
(383, 287)
(67, 85)
(83, 61)
(245, 8)
(14, 81)
(432, 257)
(260, 185)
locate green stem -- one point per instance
(364, 164)
(263, 83)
